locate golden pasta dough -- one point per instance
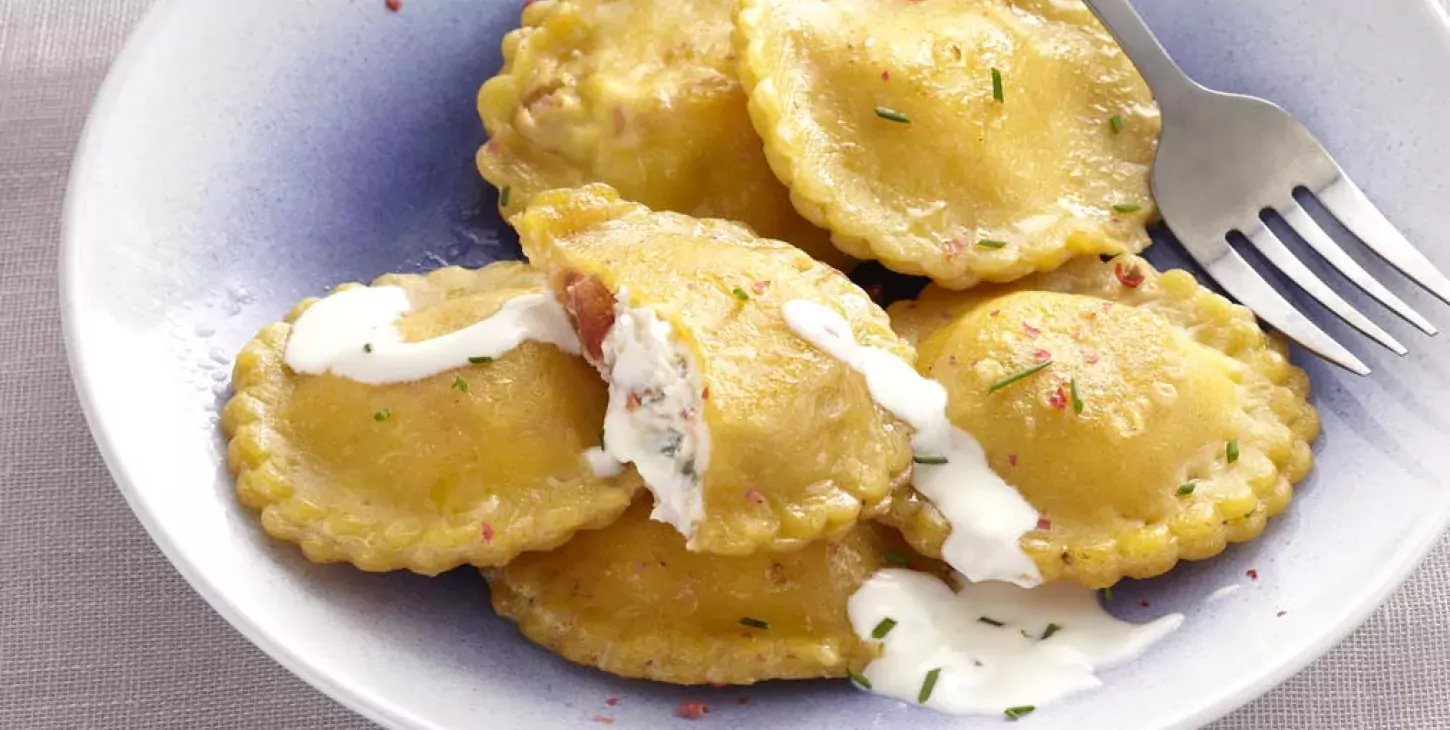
(1149, 421)
(964, 140)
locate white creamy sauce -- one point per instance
(352, 334)
(988, 517)
(655, 417)
(602, 464)
(986, 668)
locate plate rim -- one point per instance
(388, 714)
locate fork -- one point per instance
(1225, 162)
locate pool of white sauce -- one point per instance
(1001, 640)
(987, 640)
(352, 334)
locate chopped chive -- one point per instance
(503, 196)
(1108, 593)
(601, 438)
(382, 415)
(1116, 123)
(858, 679)
(891, 115)
(883, 628)
(1077, 404)
(896, 558)
(990, 621)
(1015, 713)
(1127, 207)
(740, 294)
(997, 86)
(460, 384)
(754, 623)
(1051, 629)
(480, 360)
(927, 686)
(929, 459)
(990, 243)
(1232, 451)
(1187, 489)
(368, 347)
(1010, 379)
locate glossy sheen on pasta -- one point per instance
(449, 476)
(1193, 425)
(641, 95)
(632, 600)
(882, 117)
(799, 447)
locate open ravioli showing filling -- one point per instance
(641, 95)
(964, 140)
(749, 437)
(422, 423)
(632, 600)
(1146, 418)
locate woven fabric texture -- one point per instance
(97, 630)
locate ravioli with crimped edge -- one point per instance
(641, 95)
(964, 140)
(749, 437)
(1148, 419)
(631, 600)
(469, 466)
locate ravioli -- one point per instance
(963, 140)
(1151, 420)
(748, 437)
(633, 601)
(641, 95)
(470, 466)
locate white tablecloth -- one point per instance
(97, 630)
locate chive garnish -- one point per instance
(1108, 593)
(990, 243)
(1051, 629)
(460, 384)
(382, 415)
(1187, 489)
(929, 459)
(1077, 404)
(997, 86)
(601, 438)
(503, 196)
(858, 679)
(1010, 379)
(754, 623)
(990, 621)
(1116, 123)
(740, 294)
(368, 347)
(883, 628)
(1127, 207)
(891, 115)
(1014, 713)
(1232, 451)
(480, 360)
(896, 558)
(927, 686)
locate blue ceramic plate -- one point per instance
(244, 155)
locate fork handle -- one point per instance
(1164, 76)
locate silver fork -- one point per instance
(1224, 161)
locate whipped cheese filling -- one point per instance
(352, 334)
(990, 646)
(655, 418)
(988, 517)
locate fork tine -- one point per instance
(1251, 290)
(1284, 260)
(1309, 230)
(1350, 205)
